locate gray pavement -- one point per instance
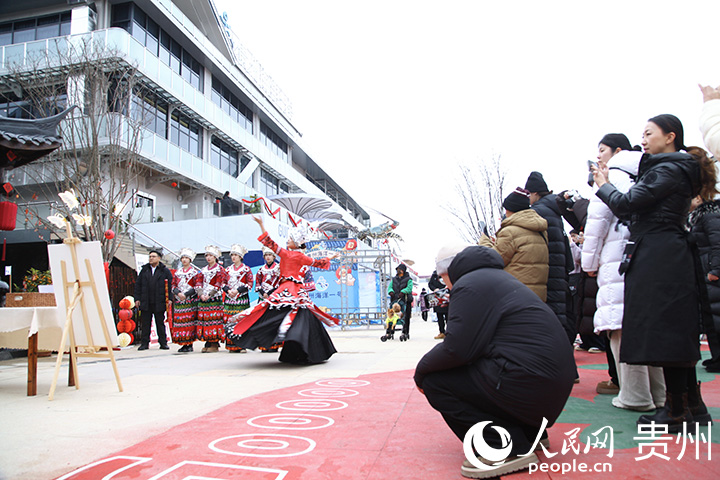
(42, 439)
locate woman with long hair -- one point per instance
(642, 387)
(661, 318)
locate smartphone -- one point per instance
(591, 164)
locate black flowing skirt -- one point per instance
(306, 341)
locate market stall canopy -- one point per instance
(24, 140)
(301, 203)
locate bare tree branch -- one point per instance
(101, 139)
(480, 192)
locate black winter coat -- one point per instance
(150, 289)
(517, 351)
(561, 262)
(661, 318)
(705, 231)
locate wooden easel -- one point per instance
(91, 349)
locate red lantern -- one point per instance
(8, 215)
(125, 314)
(109, 234)
(125, 326)
(124, 304)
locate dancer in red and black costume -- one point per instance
(287, 315)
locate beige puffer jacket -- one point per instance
(522, 244)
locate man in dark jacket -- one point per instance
(400, 291)
(545, 203)
(484, 371)
(150, 299)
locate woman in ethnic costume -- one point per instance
(267, 277)
(240, 281)
(185, 279)
(210, 327)
(287, 314)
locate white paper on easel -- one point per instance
(59, 253)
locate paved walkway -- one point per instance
(358, 416)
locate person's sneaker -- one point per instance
(186, 349)
(211, 348)
(512, 464)
(439, 336)
(143, 347)
(595, 350)
(164, 347)
(544, 442)
(641, 408)
(607, 387)
(579, 348)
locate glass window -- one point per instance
(174, 130)
(161, 120)
(48, 27)
(165, 46)
(215, 155)
(24, 31)
(152, 37)
(121, 12)
(6, 34)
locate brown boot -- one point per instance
(697, 407)
(674, 414)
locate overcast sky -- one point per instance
(391, 96)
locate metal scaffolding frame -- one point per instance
(378, 261)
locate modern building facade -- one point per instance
(214, 122)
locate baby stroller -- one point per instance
(393, 319)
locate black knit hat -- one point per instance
(517, 201)
(536, 183)
(401, 267)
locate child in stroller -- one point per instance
(394, 314)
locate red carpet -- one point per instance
(380, 427)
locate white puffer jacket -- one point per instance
(710, 125)
(605, 240)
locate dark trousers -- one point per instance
(441, 315)
(612, 369)
(462, 405)
(406, 319)
(145, 319)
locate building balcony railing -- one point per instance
(52, 54)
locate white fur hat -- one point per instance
(238, 249)
(213, 250)
(299, 234)
(446, 255)
(266, 250)
(188, 252)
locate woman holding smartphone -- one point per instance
(661, 318)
